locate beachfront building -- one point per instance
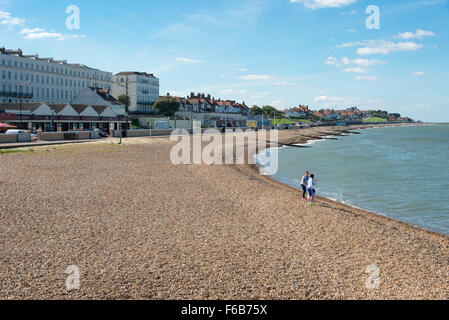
(298, 112)
(213, 112)
(94, 108)
(142, 89)
(30, 78)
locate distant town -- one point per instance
(50, 95)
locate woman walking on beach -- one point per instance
(304, 183)
(311, 189)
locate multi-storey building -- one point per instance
(29, 78)
(142, 89)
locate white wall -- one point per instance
(49, 82)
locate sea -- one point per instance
(399, 172)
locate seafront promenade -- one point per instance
(139, 227)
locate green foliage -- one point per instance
(255, 110)
(395, 115)
(124, 99)
(375, 119)
(271, 112)
(288, 121)
(167, 106)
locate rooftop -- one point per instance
(19, 53)
(136, 73)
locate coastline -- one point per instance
(160, 231)
(334, 132)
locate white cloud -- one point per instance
(418, 73)
(255, 77)
(7, 19)
(38, 33)
(331, 61)
(242, 70)
(281, 83)
(328, 99)
(187, 60)
(355, 70)
(26, 31)
(362, 62)
(419, 34)
(315, 4)
(351, 30)
(368, 78)
(349, 12)
(383, 47)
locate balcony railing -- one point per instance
(19, 95)
(145, 103)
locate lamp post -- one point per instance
(20, 112)
(20, 94)
(126, 107)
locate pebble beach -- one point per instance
(139, 227)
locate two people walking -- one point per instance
(308, 185)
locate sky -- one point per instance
(285, 53)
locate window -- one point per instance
(4, 75)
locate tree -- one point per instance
(271, 112)
(124, 99)
(395, 115)
(255, 110)
(167, 106)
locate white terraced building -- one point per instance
(142, 89)
(30, 78)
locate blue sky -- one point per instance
(278, 52)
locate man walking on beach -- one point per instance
(304, 183)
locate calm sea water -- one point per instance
(402, 172)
